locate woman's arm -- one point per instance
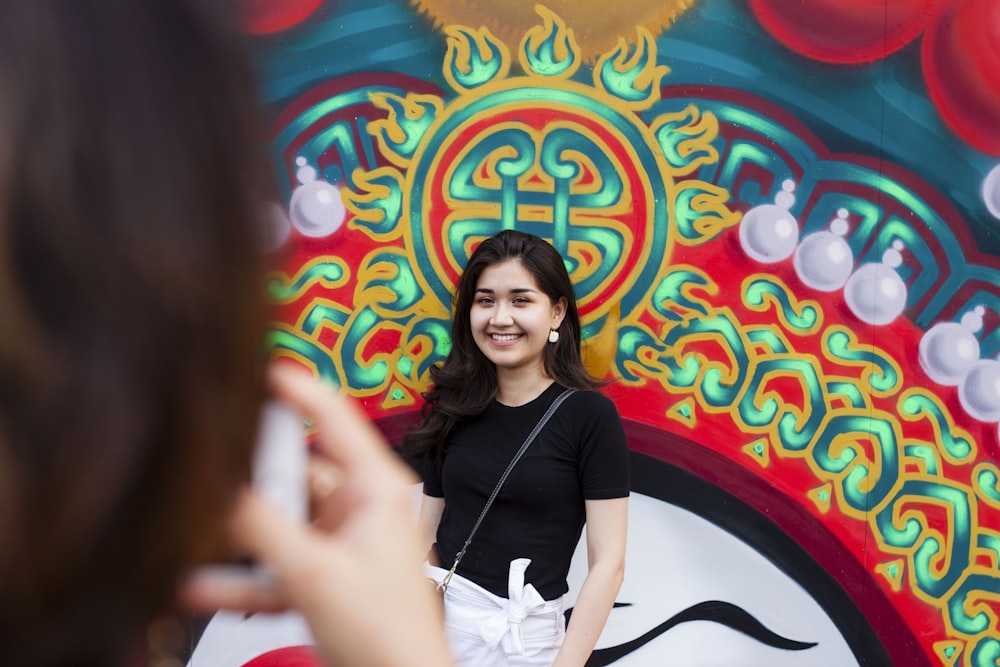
(431, 509)
(606, 528)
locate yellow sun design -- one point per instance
(597, 24)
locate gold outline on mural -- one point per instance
(892, 571)
(623, 58)
(977, 486)
(701, 128)
(376, 267)
(867, 368)
(414, 107)
(761, 457)
(366, 190)
(770, 302)
(949, 651)
(406, 396)
(458, 56)
(326, 324)
(678, 409)
(762, 393)
(822, 497)
(286, 281)
(285, 353)
(950, 429)
(554, 29)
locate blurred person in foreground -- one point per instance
(131, 357)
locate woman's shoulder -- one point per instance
(594, 420)
(592, 400)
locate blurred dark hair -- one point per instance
(466, 382)
(130, 293)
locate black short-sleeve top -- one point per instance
(539, 514)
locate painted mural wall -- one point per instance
(781, 220)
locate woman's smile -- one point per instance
(505, 338)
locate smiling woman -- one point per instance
(515, 350)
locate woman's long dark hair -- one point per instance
(131, 313)
(466, 382)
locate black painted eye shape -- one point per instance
(714, 611)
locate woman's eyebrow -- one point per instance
(516, 290)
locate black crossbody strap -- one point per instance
(503, 478)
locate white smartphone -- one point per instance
(281, 459)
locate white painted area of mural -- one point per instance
(675, 559)
(231, 640)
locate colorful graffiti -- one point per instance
(780, 219)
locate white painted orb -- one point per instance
(769, 233)
(277, 227)
(306, 174)
(979, 392)
(316, 209)
(875, 293)
(947, 352)
(824, 261)
(991, 191)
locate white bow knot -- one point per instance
(522, 600)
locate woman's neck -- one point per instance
(516, 388)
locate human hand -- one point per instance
(355, 572)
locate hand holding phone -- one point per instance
(356, 577)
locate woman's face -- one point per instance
(511, 317)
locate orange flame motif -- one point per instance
(597, 24)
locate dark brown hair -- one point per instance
(130, 334)
(466, 382)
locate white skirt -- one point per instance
(485, 630)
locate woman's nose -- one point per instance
(502, 315)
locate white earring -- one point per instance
(553, 336)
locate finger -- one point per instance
(269, 535)
(324, 478)
(346, 435)
(235, 587)
(345, 432)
